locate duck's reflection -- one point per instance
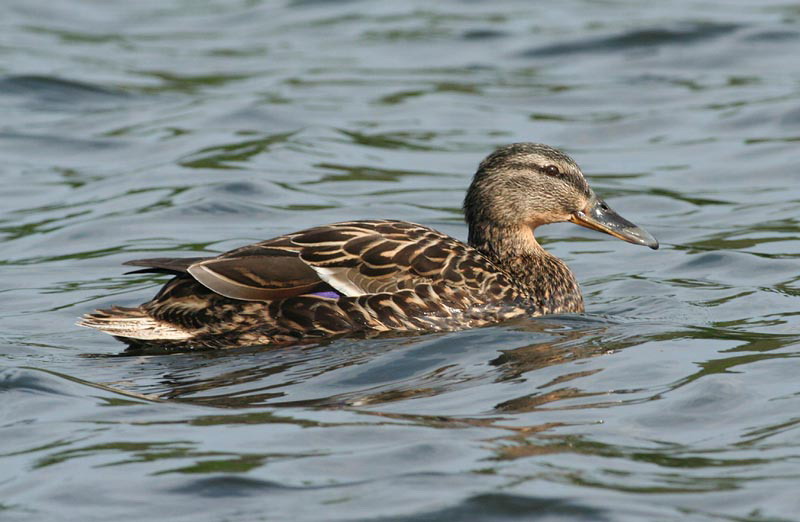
(513, 378)
(367, 373)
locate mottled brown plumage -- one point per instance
(375, 276)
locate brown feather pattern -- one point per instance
(412, 278)
(393, 276)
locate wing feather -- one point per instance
(354, 258)
(256, 277)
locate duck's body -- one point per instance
(369, 277)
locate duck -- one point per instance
(377, 276)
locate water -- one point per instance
(136, 129)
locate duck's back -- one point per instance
(358, 276)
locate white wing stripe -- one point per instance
(337, 278)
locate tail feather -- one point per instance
(133, 323)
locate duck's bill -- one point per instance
(599, 216)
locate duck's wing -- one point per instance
(354, 258)
(252, 274)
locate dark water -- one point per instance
(133, 129)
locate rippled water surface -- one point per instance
(138, 129)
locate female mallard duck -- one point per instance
(378, 276)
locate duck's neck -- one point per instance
(546, 279)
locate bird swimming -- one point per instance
(376, 276)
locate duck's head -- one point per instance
(524, 185)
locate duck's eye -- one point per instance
(552, 170)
